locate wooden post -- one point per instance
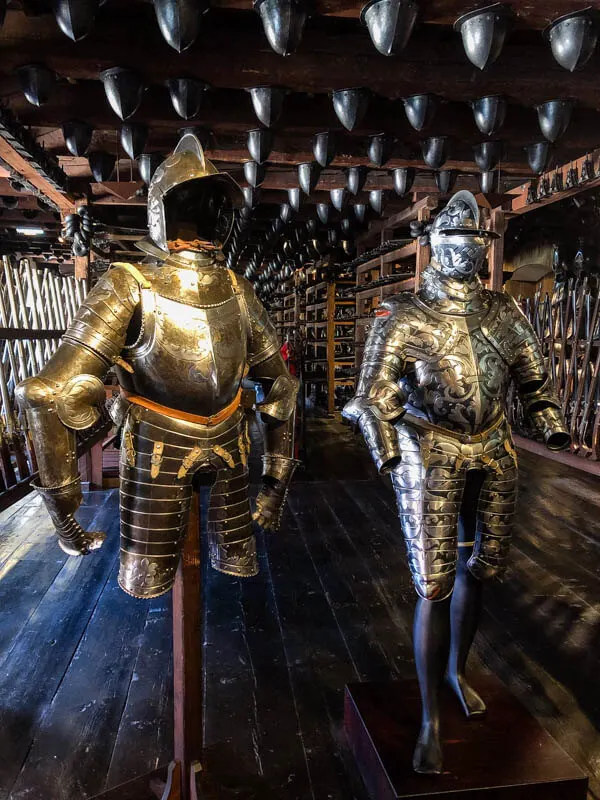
(423, 254)
(95, 465)
(496, 254)
(188, 668)
(331, 348)
(188, 683)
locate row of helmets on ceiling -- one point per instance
(124, 90)
(390, 23)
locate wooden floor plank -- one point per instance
(319, 660)
(90, 700)
(144, 739)
(34, 669)
(333, 604)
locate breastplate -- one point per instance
(191, 352)
(454, 376)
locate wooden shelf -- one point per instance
(401, 253)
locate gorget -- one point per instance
(450, 296)
(195, 278)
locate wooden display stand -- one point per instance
(505, 755)
(183, 771)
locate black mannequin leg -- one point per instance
(431, 634)
(465, 609)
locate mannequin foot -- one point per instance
(427, 759)
(472, 704)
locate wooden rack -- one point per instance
(327, 310)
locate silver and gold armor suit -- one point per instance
(431, 397)
(181, 335)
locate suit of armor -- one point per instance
(181, 334)
(430, 403)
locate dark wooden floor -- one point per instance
(85, 683)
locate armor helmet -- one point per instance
(458, 243)
(189, 197)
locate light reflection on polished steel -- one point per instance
(187, 95)
(445, 180)
(483, 33)
(179, 21)
(538, 156)
(380, 149)
(283, 23)
(554, 117)
(419, 109)
(124, 90)
(489, 113)
(403, 180)
(488, 154)
(181, 334)
(435, 151)
(573, 37)
(267, 102)
(260, 144)
(134, 136)
(75, 18)
(308, 176)
(350, 106)
(431, 401)
(37, 82)
(324, 148)
(390, 23)
(77, 135)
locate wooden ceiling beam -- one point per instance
(28, 171)
(519, 204)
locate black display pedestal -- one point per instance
(505, 755)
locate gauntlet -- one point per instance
(62, 502)
(277, 474)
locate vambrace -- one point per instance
(278, 416)
(58, 403)
(543, 414)
(380, 435)
(379, 401)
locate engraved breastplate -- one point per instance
(454, 376)
(191, 353)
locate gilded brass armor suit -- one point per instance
(181, 333)
(431, 404)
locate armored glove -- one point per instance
(277, 474)
(62, 502)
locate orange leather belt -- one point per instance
(221, 416)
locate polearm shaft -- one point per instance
(71, 296)
(33, 288)
(42, 319)
(18, 344)
(579, 306)
(18, 320)
(39, 356)
(48, 305)
(576, 429)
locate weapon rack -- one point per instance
(568, 325)
(329, 333)
(36, 305)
